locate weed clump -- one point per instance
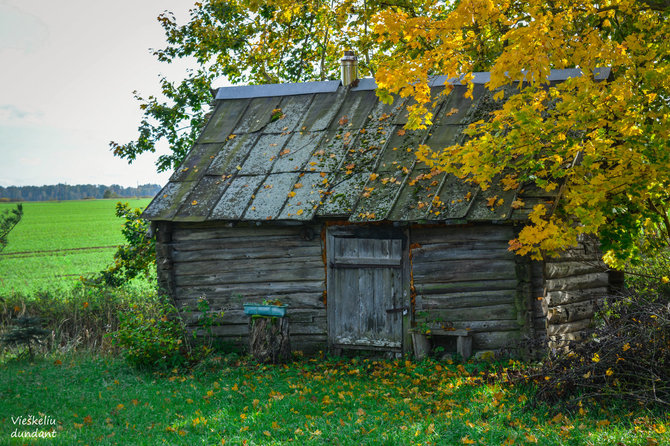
(151, 336)
(26, 331)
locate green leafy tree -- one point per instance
(8, 220)
(136, 257)
(251, 42)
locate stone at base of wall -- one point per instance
(485, 355)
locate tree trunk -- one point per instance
(269, 339)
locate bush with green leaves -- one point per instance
(137, 257)
(9, 219)
(647, 274)
(152, 336)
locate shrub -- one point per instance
(648, 273)
(627, 356)
(152, 336)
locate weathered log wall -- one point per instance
(230, 266)
(165, 272)
(464, 277)
(574, 282)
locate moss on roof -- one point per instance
(335, 154)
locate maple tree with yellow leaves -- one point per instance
(600, 145)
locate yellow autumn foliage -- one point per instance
(600, 144)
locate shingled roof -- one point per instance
(296, 152)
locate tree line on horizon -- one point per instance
(75, 192)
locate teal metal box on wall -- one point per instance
(265, 310)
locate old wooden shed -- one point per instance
(310, 193)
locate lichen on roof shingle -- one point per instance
(316, 151)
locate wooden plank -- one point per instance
(494, 340)
(458, 271)
(218, 266)
(370, 251)
(251, 276)
(224, 301)
(442, 332)
(330, 248)
(461, 233)
(425, 286)
(369, 289)
(309, 345)
(537, 281)
(464, 346)
(475, 299)
(224, 266)
(405, 298)
(233, 330)
(271, 250)
(578, 253)
(567, 269)
(486, 325)
(165, 273)
(490, 312)
(185, 233)
(278, 242)
(255, 252)
(570, 327)
(310, 316)
(260, 288)
(555, 298)
(361, 262)
(570, 312)
(308, 329)
(593, 280)
(463, 250)
(236, 315)
(539, 310)
(365, 231)
(437, 274)
(444, 252)
(540, 324)
(230, 330)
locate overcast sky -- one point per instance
(67, 72)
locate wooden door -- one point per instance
(366, 292)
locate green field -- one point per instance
(58, 241)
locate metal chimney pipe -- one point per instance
(349, 68)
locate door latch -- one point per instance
(402, 310)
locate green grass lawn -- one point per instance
(101, 401)
(58, 241)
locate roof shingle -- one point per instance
(301, 151)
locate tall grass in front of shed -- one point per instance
(77, 317)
